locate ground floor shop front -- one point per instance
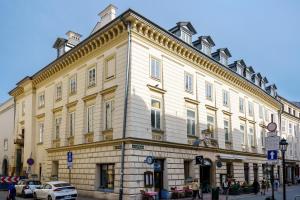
(96, 167)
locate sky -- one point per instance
(263, 33)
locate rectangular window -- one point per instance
(255, 171)
(227, 130)
(155, 114)
(290, 128)
(241, 104)
(209, 91)
(23, 108)
(73, 84)
(225, 98)
(91, 77)
(41, 100)
(206, 49)
(211, 124)
(191, 122)
(57, 127)
(5, 144)
(155, 68)
(243, 133)
(267, 117)
(188, 82)
(185, 37)
(58, 92)
(110, 67)
(223, 60)
(71, 124)
(261, 112)
(107, 176)
(251, 141)
(250, 109)
(109, 107)
(283, 126)
(262, 137)
(246, 172)
(229, 169)
(187, 173)
(90, 119)
(41, 132)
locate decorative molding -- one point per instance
(40, 116)
(251, 121)
(156, 89)
(90, 97)
(191, 101)
(226, 112)
(109, 90)
(211, 107)
(71, 104)
(58, 109)
(243, 118)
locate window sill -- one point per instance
(72, 93)
(110, 78)
(41, 107)
(157, 131)
(154, 78)
(228, 142)
(39, 143)
(192, 136)
(188, 91)
(59, 99)
(107, 131)
(91, 86)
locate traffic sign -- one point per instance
(30, 161)
(70, 159)
(199, 160)
(272, 142)
(149, 160)
(272, 127)
(272, 154)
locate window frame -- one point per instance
(41, 100)
(91, 81)
(5, 144)
(58, 95)
(243, 133)
(90, 122)
(41, 130)
(241, 105)
(104, 186)
(228, 128)
(213, 116)
(157, 126)
(73, 84)
(191, 132)
(71, 123)
(108, 124)
(153, 76)
(226, 98)
(188, 82)
(209, 87)
(57, 127)
(250, 108)
(106, 75)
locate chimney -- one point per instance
(73, 38)
(106, 16)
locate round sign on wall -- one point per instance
(219, 163)
(30, 161)
(272, 127)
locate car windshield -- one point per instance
(62, 185)
(34, 183)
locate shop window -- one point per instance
(148, 179)
(246, 172)
(107, 176)
(255, 171)
(229, 168)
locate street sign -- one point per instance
(70, 159)
(272, 154)
(199, 160)
(272, 142)
(149, 160)
(30, 161)
(272, 127)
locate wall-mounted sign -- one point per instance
(199, 160)
(272, 127)
(149, 160)
(219, 163)
(30, 161)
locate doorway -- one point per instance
(158, 175)
(5, 167)
(205, 175)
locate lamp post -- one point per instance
(283, 147)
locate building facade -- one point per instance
(7, 159)
(133, 90)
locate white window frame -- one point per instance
(41, 100)
(227, 130)
(41, 132)
(58, 91)
(226, 99)
(155, 68)
(91, 77)
(155, 110)
(251, 134)
(188, 82)
(213, 124)
(223, 59)
(206, 49)
(57, 127)
(71, 120)
(185, 37)
(191, 122)
(283, 125)
(90, 110)
(243, 133)
(290, 128)
(241, 105)
(261, 112)
(251, 109)
(209, 88)
(108, 115)
(73, 84)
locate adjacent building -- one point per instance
(133, 90)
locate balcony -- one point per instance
(107, 134)
(157, 134)
(19, 141)
(89, 137)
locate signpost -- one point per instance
(70, 163)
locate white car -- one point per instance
(25, 187)
(55, 190)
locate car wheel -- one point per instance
(34, 196)
(49, 198)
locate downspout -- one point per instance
(127, 79)
(14, 134)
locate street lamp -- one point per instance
(283, 147)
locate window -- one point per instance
(90, 119)
(294, 112)
(23, 108)
(110, 67)
(73, 85)
(227, 130)
(206, 49)
(71, 124)
(250, 109)
(109, 107)
(261, 112)
(229, 169)
(295, 130)
(290, 128)
(251, 141)
(5, 144)
(241, 104)
(239, 70)
(187, 170)
(188, 82)
(267, 117)
(290, 110)
(57, 127)
(58, 92)
(209, 91)
(255, 171)
(283, 125)
(211, 124)
(41, 132)
(223, 59)
(225, 98)
(155, 68)
(41, 100)
(246, 172)
(185, 37)
(190, 122)
(91, 77)
(243, 133)
(107, 176)
(262, 137)
(155, 114)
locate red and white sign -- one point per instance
(9, 179)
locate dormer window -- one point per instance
(223, 59)
(239, 70)
(206, 49)
(184, 30)
(221, 55)
(204, 44)
(248, 75)
(256, 81)
(186, 37)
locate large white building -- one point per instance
(133, 90)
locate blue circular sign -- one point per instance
(149, 160)
(30, 161)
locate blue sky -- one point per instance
(264, 33)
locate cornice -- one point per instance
(90, 97)
(192, 101)
(72, 104)
(288, 115)
(109, 90)
(58, 109)
(156, 89)
(211, 107)
(226, 112)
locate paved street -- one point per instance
(292, 191)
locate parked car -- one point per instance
(55, 190)
(25, 187)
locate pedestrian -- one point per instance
(255, 186)
(195, 188)
(225, 186)
(263, 187)
(267, 185)
(276, 183)
(11, 192)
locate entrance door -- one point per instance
(158, 175)
(5, 167)
(205, 175)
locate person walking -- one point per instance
(276, 183)
(195, 188)
(11, 192)
(255, 186)
(225, 186)
(263, 187)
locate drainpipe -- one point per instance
(127, 78)
(14, 137)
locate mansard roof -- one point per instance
(218, 51)
(205, 37)
(189, 27)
